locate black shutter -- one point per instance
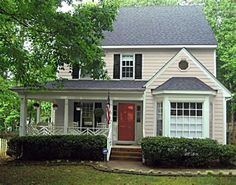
(75, 72)
(138, 66)
(116, 67)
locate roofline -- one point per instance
(157, 46)
(210, 92)
(21, 90)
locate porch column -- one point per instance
(66, 112)
(23, 115)
(38, 114)
(52, 115)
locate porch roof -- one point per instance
(184, 84)
(91, 85)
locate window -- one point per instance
(159, 118)
(138, 117)
(115, 113)
(87, 114)
(127, 66)
(183, 65)
(186, 119)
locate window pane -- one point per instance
(186, 105)
(173, 105)
(199, 105)
(192, 105)
(173, 112)
(192, 112)
(179, 105)
(199, 113)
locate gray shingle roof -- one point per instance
(96, 84)
(160, 25)
(184, 83)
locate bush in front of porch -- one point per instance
(75, 147)
(184, 152)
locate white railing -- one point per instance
(109, 142)
(88, 131)
(35, 130)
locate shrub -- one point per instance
(57, 147)
(185, 152)
(227, 154)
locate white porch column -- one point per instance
(23, 115)
(66, 115)
(52, 115)
(38, 114)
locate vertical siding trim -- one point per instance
(215, 62)
(144, 111)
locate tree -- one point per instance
(221, 15)
(35, 38)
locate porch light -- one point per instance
(36, 105)
(55, 106)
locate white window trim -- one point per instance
(121, 57)
(205, 111)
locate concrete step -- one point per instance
(125, 153)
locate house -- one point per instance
(162, 67)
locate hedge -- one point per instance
(81, 147)
(186, 152)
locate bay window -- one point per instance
(186, 119)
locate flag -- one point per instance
(108, 112)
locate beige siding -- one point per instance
(193, 71)
(64, 72)
(154, 59)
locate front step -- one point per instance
(126, 153)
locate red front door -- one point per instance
(126, 121)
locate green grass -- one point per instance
(73, 175)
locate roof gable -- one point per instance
(160, 25)
(207, 73)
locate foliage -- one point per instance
(98, 112)
(186, 152)
(9, 105)
(57, 147)
(221, 16)
(35, 37)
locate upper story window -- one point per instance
(127, 66)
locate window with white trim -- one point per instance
(186, 119)
(127, 66)
(159, 118)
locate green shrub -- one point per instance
(57, 147)
(227, 154)
(185, 152)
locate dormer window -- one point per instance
(127, 66)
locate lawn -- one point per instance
(76, 174)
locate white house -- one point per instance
(162, 67)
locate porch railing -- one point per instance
(59, 130)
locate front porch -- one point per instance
(84, 112)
